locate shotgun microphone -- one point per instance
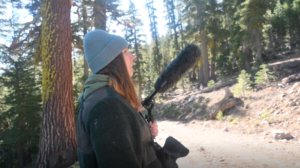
(185, 60)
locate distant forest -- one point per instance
(43, 67)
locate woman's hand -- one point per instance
(154, 128)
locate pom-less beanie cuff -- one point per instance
(101, 48)
(109, 53)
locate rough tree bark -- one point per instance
(203, 41)
(258, 44)
(84, 16)
(57, 147)
(213, 64)
(139, 66)
(226, 103)
(248, 56)
(200, 77)
(291, 78)
(100, 14)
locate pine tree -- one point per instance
(252, 16)
(172, 24)
(154, 32)
(79, 30)
(243, 84)
(104, 10)
(291, 17)
(263, 77)
(22, 118)
(92, 15)
(4, 23)
(134, 38)
(279, 25)
(57, 146)
(296, 17)
(200, 6)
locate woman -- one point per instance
(111, 132)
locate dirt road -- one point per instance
(212, 148)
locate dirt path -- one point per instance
(211, 147)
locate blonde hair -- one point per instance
(120, 80)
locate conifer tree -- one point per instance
(263, 77)
(292, 20)
(200, 6)
(92, 15)
(172, 23)
(252, 12)
(3, 22)
(57, 146)
(154, 33)
(243, 84)
(134, 37)
(104, 10)
(22, 118)
(279, 25)
(296, 18)
(79, 30)
(216, 35)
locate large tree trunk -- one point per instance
(200, 77)
(271, 43)
(290, 34)
(174, 23)
(258, 45)
(194, 75)
(212, 62)
(84, 16)
(57, 147)
(138, 66)
(248, 56)
(205, 56)
(100, 14)
(203, 45)
(213, 71)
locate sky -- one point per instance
(140, 5)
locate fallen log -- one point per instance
(291, 78)
(227, 102)
(210, 89)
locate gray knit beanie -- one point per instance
(101, 48)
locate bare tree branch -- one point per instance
(16, 42)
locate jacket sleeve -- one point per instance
(115, 134)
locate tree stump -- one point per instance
(227, 102)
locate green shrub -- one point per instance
(234, 121)
(266, 115)
(255, 122)
(243, 84)
(219, 115)
(196, 105)
(187, 108)
(172, 111)
(247, 100)
(211, 83)
(263, 77)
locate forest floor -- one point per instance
(245, 136)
